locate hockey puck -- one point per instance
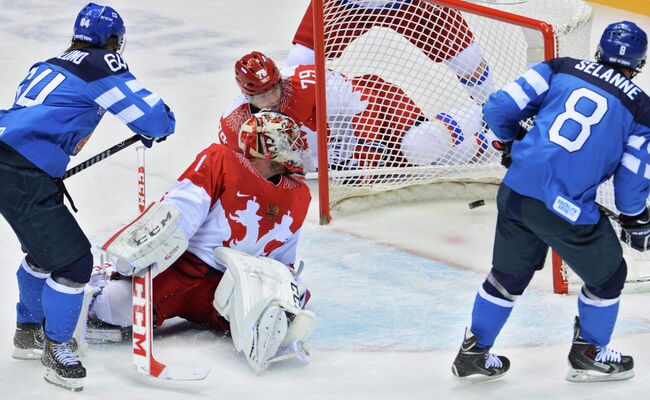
(477, 203)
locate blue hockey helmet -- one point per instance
(96, 24)
(625, 44)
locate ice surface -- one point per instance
(393, 287)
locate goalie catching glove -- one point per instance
(154, 238)
(262, 301)
(636, 230)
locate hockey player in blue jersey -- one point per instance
(56, 109)
(591, 123)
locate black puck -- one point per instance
(476, 203)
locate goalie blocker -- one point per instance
(154, 238)
(261, 299)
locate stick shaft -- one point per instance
(99, 157)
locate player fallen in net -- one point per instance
(357, 138)
(225, 255)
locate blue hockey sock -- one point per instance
(29, 309)
(62, 305)
(597, 318)
(489, 315)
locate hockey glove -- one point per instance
(636, 230)
(148, 141)
(505, 148)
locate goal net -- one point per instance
(638, 263)
(403, 91)
(405, 83)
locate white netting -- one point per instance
(638, 263)
(421, 73)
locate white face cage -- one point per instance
(274, 136)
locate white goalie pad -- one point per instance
(259, 297)
(155, 237)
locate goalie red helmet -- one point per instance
(274, 136)
(256, 74)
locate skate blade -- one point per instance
(295, 350)
(74, 384)
(27, 354)
(474, 378)
(96, 336)
(585, 375)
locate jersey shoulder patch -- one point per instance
(91, 64)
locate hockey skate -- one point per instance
(478, 364)
(589, 363)
(63, 366)
(28, 342)
(98, 331)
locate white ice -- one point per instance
(393, 287)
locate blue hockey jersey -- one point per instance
(591, 123)
(61, 101)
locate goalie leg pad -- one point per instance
(113, 304)
(265, 338)
(258, 296)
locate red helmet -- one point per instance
(256, 74)
(274, 136)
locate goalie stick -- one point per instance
(142, 291)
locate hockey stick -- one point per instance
(609, 213)
(98, 157)
(142, 291)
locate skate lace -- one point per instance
(606, 354)
(492, 360)
(64, 354)
(40, 336)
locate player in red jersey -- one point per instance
(439, 32)
(371, 122)
(263, 86)
(248, 201)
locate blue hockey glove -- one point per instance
(636, 230)
(148, 141)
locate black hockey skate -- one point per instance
(28, 342)
(588, 363)
(63, 366)
(98, 331)
(478, 364)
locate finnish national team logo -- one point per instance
(85, 22)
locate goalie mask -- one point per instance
(274, 136)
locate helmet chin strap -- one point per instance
(121, 43)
